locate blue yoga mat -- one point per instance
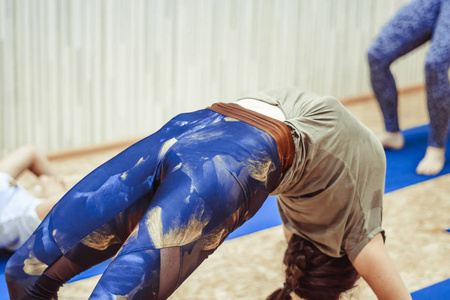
(436, 291)
(3, 259)
(401, 165)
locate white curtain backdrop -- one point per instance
(75, 73)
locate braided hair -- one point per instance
(313, 275)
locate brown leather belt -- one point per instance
(278, 130)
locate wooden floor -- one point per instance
(249, 267)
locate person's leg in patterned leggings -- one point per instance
(412, 26)
(164, 205)
(438, 93)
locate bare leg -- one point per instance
(23, 158)
(29, 158)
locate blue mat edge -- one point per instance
(438, 291)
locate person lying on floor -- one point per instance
(20, 211)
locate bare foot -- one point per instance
(392, 140)
(433, 161)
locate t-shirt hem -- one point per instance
(353, 253)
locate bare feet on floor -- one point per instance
(433, 161)
(392, 140)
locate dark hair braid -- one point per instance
(313, 275)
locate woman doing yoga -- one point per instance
(167, 202)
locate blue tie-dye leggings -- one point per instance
(163, 205)
(413, 25)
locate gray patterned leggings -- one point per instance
(412, 26)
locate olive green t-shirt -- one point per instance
(332, 194)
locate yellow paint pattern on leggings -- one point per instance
(178, 235)
(100, 239)
(212, 240)
(260, 169)
(33, 266)
(166, 146)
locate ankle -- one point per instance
(435, 151)
(46, 287)
(392, 140)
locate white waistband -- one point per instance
(264, 108)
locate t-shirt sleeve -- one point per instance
(363, 225)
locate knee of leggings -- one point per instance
(376, 59)
(435, 66)
(13, 269)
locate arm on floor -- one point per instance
(375, 265)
